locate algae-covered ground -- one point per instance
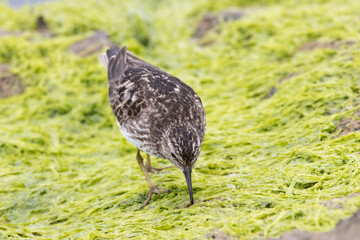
(281, 88)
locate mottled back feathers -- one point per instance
(154, 110)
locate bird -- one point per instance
(156, 112)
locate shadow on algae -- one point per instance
(275, 83)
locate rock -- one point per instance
(310, 46)
(319, 45)
(210, 21)
(346, 229)
(338, 205)
(91, 45)
(5, 33)
(218, 235)
(207, 23)
(347, 126)
(290, 75)
(42, 27)
(273, 90)
(10, 84)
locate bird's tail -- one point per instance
(114, 61)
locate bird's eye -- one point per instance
(173, 155)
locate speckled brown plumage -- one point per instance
(155, 111)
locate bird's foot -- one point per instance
(155, 169)
(154, 190)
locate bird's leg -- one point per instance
(153, 189)
(151, 169)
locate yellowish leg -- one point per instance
(151, 169)
(153, 189)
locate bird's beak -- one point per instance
(187, 173)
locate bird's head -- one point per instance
(181, 146)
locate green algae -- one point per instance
(266, 166)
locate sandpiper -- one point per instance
(156, 112)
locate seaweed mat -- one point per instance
(269, 164)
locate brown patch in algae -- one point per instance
(91, 45)
(210, 21)
(219, 235)
(347, 126)
(346, 229)
(10, 84)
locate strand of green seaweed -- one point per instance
(266, 166)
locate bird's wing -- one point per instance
(139, 63)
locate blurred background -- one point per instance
(19, 3)
(279, 81)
